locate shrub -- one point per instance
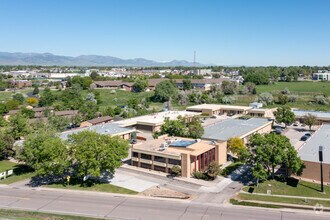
(176, 170)
(200, 175)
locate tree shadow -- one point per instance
(20, 169)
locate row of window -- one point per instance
(157, 158)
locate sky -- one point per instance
(231, 32)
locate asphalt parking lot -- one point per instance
(294, 133)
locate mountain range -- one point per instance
(48, 59)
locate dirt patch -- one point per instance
(158, 191)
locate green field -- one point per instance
(6, 165)
(97, 187)
(6, 95)
(20, 215)
(305, 189)
(299, 88)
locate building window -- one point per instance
(174, 162)
(146, 156)
(145, 166)
(135, 154)
(159, 159)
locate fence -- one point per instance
(5, 174)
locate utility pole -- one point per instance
(321, 163)
(194, 65)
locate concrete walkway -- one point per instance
(235, 175)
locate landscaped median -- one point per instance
(276, 194)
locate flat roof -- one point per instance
(106, 128)
(262, 110)
(194, 147)
(155, 119)
(229, 128)
(217, 107)
(309, 151)
(318, 114)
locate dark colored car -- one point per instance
(308, 134)
(133, 141)
(304, 138)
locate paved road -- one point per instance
(129, 207)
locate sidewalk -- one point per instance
(286, 196)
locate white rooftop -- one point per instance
(156, 118)
(309, 151)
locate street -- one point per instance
(134, 207)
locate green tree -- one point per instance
(45, 152)
(89, 110)
(194, 128)
(27, 112)
(19, 97)
(229, 87)
(47, 98)
(213, 170)
(35, 90)
(284, 115)
(186, 84)
(265, 98)
(93, 153)
(58, 123)
(310, 120)
(94, 75)
(11, 104)
(140, 85)
(18, 126)
(283, 99)
(6, 145)
(269, 151)
(165, 90)
(174, 127)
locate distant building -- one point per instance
(96, 121)
(323, 76)
(21, 83)
(321, 117)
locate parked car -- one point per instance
(304, 138)
(213, 116)
(308, 134)
(278, 130)
(296, 123)
(133, 141)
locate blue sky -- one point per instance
(232, 32)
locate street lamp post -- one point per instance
(321, 160)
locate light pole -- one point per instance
(321, 160)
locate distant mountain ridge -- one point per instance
(48, 59)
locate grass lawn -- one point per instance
(21, 172)
(97, 187)
(6, 95)
(303, 188)
(299, 88)
(246, 203)
(16, 214)
(229, 169)
(310, 202)
(6, 165)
